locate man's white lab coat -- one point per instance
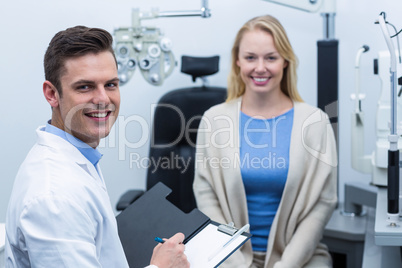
(59, 213)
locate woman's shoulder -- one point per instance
(303, 109)
(310, 119)
(225, 108)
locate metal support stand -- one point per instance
(357, 196)
(327, 74)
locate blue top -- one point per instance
(93, 155)
(264, 156)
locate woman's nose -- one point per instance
(261, 66)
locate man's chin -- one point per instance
(93, 139)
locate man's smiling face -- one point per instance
(90, 99)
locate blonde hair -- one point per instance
(271, 25)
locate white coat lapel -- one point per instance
(91, 170)
(58, 143)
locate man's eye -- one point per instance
(112, 86)
(83, 87)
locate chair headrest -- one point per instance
(179, 112)
(199, 66)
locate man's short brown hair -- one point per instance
(73, 42)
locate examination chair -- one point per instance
(176, 119)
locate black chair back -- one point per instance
(175, 123)
(174, 135)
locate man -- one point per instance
(59, 213)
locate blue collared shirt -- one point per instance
(93, 155)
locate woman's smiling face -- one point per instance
(261, 66)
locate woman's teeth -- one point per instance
(260, 79)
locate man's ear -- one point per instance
(51, 94)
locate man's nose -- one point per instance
(101, 96)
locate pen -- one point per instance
(236, 235)
(159, 240)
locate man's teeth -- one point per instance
(99, 115)
(260, 79)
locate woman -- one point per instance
(266, 158)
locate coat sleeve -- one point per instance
(209, 189)
(52, 242)
(205, 170)
(320, 183)
(304, 244)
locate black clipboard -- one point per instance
(153, 215)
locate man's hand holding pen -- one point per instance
(170, 253)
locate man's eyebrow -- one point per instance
(90, 82)
(82, 81)
(116, 79)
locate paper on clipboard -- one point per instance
(206, 242)
(136, 223)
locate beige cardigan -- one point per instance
(309, 197)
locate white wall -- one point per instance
(26, 27)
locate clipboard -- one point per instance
(153, 215)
